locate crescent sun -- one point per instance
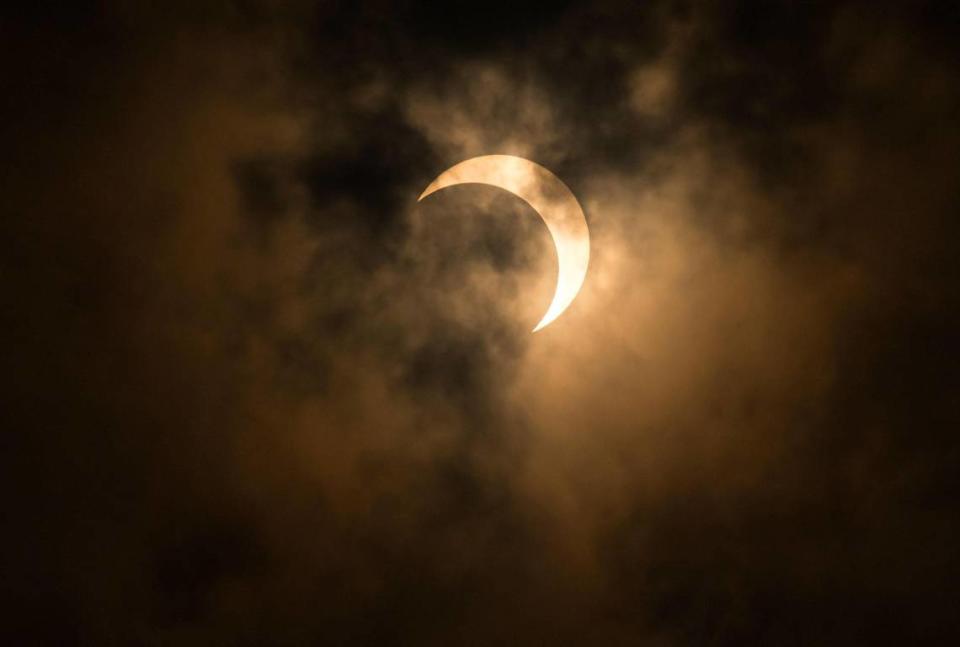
(550, 198)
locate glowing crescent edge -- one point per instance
(550, 198)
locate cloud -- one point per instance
(264, 395)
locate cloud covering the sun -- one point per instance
(271, 393)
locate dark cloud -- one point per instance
(258, 394)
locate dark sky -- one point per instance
(257, 394)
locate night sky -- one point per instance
(256, 394)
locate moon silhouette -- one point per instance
(550, 198)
